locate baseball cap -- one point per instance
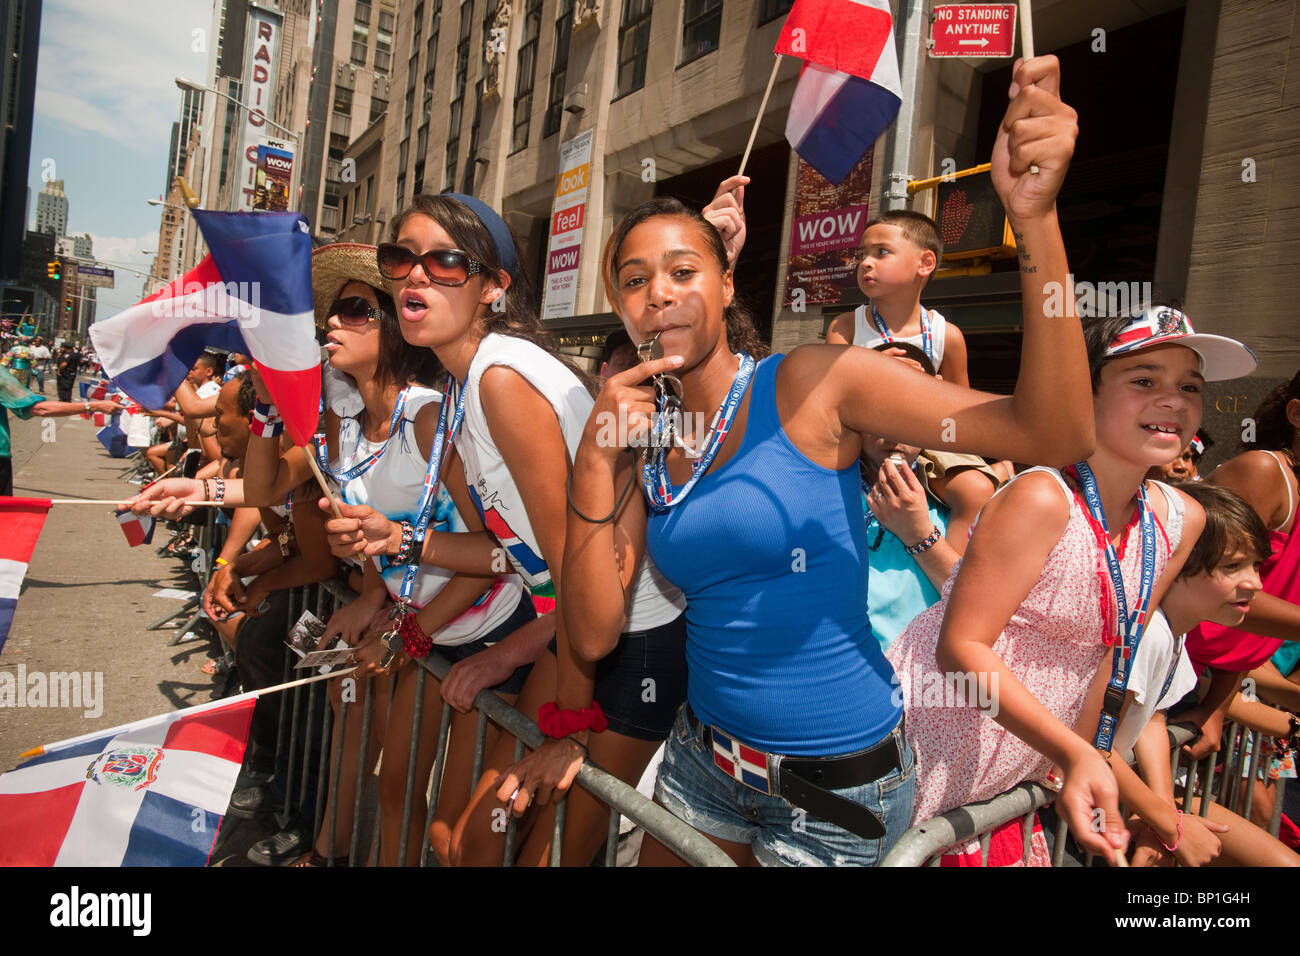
(1221, 357)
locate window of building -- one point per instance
(418, 25)
(384, 43)
(400, 200)
(701, 25)
(360, 40)
(633, 45)
(769, 10)
(419, 178)
(343, 100)
(525, 75)
(378, 108)
(368, 200)
(456, 111)
(559, 68)
(362, 14)
(386, 22)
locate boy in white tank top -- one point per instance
(899, 252)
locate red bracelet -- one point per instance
(557, 723)
(415, 642)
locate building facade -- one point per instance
(20, 30)
(52, 209)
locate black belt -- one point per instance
(808, 782)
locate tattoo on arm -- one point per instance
(1024, 256)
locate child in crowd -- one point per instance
(1217, 583)
(1056, 572)
(920, 506)
(899, 252)
(1185, 466)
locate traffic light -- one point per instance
(54, 270)
(67, 304)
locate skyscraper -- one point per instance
(20, 32)
(52, 209)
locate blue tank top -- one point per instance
(770, 551)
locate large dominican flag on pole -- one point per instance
(22, 520)
(251, 294)
(151, 793)
(849, 91)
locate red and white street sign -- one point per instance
(974, 30)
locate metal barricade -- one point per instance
(925, 843)
(295, 735)
(201, 564)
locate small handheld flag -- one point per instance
(849, 91)
(137, 528)
(251, 294)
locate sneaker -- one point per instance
(278, 849)
(246, 802)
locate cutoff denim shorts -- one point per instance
(694, 789)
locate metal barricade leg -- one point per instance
(508, 858)
(416, 714)
(435, 785)
(361, 774)
(557, 835)
(336, 768)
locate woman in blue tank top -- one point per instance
(789, 749)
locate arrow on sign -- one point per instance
(982, 41)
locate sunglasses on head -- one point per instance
(355, 310)
(443, 266)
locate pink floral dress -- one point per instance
(1053, 643)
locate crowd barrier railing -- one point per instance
(925, 843)
(299, 706)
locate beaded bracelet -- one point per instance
(1178, 840)
(220, 496)
(403, 555)
(926, 543)
(415, 642)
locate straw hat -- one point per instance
(336, 264)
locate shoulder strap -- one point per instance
(861, 331)
(1290, 495)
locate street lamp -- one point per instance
(185, 85)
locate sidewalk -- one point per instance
(87, 597)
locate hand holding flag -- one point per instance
(1038, 129)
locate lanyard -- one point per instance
(1173, 667)
(442, 439)
(357, 469)
(654, 473)
(1130, 626)
(927, 336)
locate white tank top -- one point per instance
(654, 601)
(392, 486)
(866, 334)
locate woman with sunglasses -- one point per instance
(460, 291)
(790, 749)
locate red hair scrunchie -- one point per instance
(557, 723)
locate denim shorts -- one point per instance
(642, 682)
(693, 789)
(524, 613)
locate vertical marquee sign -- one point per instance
(568, 216)
(258, 96)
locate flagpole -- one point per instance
(118, 501)
(1027, 44)
(311, 460)
(771, 80)
(187, 711)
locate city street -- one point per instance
(87, 598)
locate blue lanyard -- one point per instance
(1173, 667)
(442, 439)
(357, 469)
(927, 336)
(654, 473)
(1130, 626)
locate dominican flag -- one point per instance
(745, 764)
(137, 528)
(111, 436)
(151, 793)
(849, 92)
(251, 294)
(22, 519)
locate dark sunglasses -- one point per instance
(355, 310)
(443, 266)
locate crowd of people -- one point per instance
(857, 595)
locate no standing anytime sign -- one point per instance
(974, 30)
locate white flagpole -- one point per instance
(762, 107)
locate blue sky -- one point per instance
(105, 104)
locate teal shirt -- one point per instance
(13, 397)
(897, 588)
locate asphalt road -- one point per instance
(88, 598)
